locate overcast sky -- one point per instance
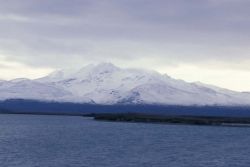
(205, 40)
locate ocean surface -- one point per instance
(67, 141)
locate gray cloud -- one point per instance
(63, 33)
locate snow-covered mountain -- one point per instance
(107, 84)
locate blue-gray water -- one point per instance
(62, 141)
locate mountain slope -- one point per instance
(29, 89)
(108, 84)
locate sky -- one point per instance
(194, 40)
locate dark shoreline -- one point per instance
(169, 114)
(171, 119)
(155, 119)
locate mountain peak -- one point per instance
(107, 67)
(106, 83)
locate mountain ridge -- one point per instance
(108, 84)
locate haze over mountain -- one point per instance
(106, 83)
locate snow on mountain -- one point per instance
(29, 89)
(107, 84)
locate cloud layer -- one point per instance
(160, 34)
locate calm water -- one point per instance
(61, 141)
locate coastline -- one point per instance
(174, 119)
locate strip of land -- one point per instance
(170, 119)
